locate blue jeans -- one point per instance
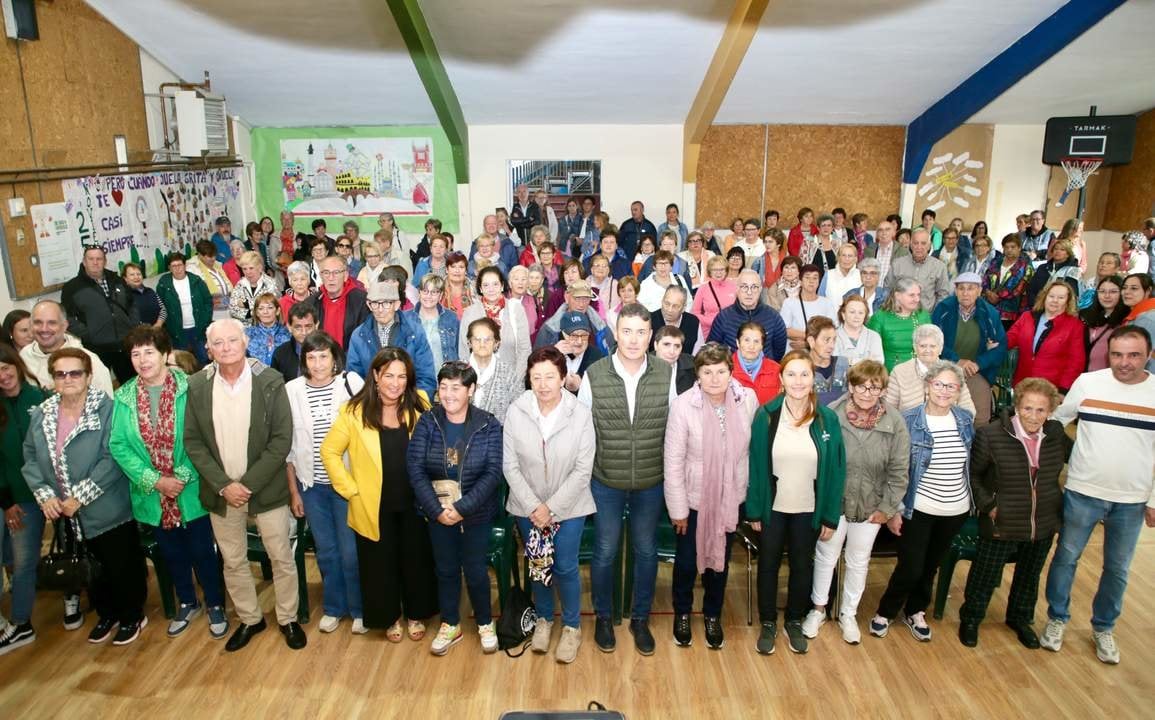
(328, 517)
(567, 580)
(456, 549)
(187, 548)
(25, 544)
(646, 508)
(1121, 525)
(194, 341)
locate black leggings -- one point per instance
(794, 534)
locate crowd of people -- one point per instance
(403, 395)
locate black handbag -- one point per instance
(69, 565)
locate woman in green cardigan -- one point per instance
(797, 474)
(147, 442)
(897, 319)
(23, 521)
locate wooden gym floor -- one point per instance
(342, 676)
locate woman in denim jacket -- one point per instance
(938, 500)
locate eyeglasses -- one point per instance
(950, 387)
(347, 246)
(875, 390)
(332, 273)
(430, 292)
(68, 374)
(749, 288)
(380, 304)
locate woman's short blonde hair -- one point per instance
(1040, 386)
(250, 258)
(1041, 299)
(715, 261)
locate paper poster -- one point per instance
(955, 179)
(57, 253)
(144, 216)
(357, 177)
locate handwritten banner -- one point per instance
(144, 216)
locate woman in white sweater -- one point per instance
(907, 388)
(854, 341)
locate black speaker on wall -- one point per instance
(20, 19)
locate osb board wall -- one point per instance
(1096, 193)
(955, 179)
(730, 174)
(84, 87)
(857, 167)
(1132, 195)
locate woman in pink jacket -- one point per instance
(714, 295)
(706, 465)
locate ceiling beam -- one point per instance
(427, 61)
(997, 76)
(740, 29)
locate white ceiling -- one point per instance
(869, 61)
(1112, 65)
(284, 62)
(343, 62)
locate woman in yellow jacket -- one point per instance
(394, 555)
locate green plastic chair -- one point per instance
(964, 546)
(163, 578)
(1004, 382)
(502, 552)
(300, 543)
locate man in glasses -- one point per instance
(341, 303)
(386, 327)
(749, 308)
(973, 337)
(50, 333)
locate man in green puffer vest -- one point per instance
(629, 394)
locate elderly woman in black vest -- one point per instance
(1015, 466)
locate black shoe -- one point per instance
(102, 631)
(714, 636)
(643, 638)
(1026, 635)
(797, 640)
(294, 635)
(604, 634)
(244, 633)
(682, 634)
(16, 636)
(968, 633)
(766, 638)
(130, 632)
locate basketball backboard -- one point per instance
(1109, 139)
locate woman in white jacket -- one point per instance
(706, 459)
(548, 457)
(314, 399)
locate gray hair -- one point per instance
(517, 269)
(918, 230)
(929, 332)
(537, 268)
(708, 225)
(824, 217)
(675, 287)
(233, 245)
(869, 264)
(901, 285)
(543, 229)
(939, 367)
(217, 325)
(297, 267)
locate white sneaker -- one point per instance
(359, 626)
(1105, 647)
(328, 623)
(447, 636)
(850, 631)
(814, 620)
(488, 635)
(542, 629)
(1052, 638)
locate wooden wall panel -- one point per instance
(1097, 198)
(1132, 195)
(730, 174)
(83, 87)
(857, 167)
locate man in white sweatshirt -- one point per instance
(1109, 479)
(50, 329)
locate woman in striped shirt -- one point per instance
(314, 399)
(938, 499)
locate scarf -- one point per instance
(160, 439)
(539, 553)
(790, 288)
(864, 419)
(1031, 443)
(725, 439)
(750, 366)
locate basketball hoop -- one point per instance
(1079, 171)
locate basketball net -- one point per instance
(1079, 171)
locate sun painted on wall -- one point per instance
(357, 176)
(951, 179)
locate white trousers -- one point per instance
(859, 541)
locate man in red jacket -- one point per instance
(341, 304)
